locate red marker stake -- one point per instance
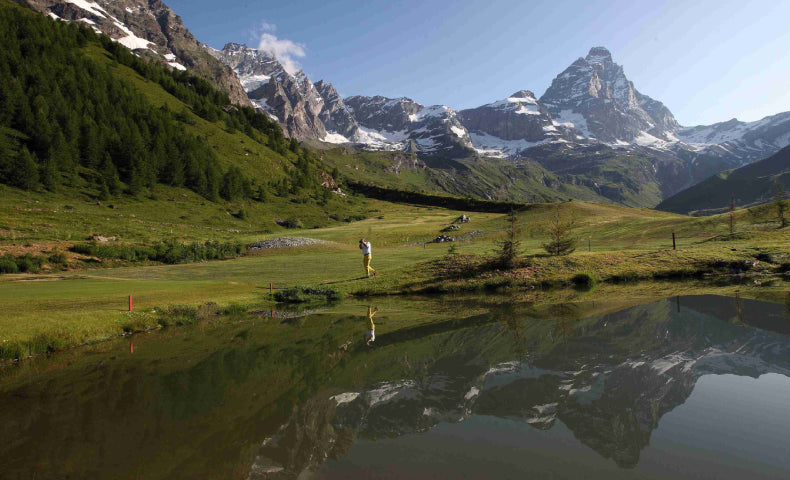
(130, 303)
(131, 347)
(271, 287)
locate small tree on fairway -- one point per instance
(560, 240)
(731, 209)
(779, 201)
(508, 249)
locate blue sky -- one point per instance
(708, 61)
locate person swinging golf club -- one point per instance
(364, 245)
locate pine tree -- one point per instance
(779, 202)
(110, 177)
(25, 171)
(50, 174)
(509, 249)
(560, 240)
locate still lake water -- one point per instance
(686, 387)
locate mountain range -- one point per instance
(590, 122)
(591, 107)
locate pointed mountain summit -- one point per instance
(594, 95)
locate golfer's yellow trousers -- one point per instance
(368, 269)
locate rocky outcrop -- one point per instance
(403, 124)
(336, 117)
(518, 117)
(292, 99)
(152, 30)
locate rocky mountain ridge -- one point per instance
(591, 101)
(152, 30)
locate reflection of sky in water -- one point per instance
(730, 427)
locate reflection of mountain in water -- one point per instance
(609, 379)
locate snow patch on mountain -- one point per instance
(520, 105)
(89, 7)
(334, 137)
(571, 119)
(382, 139)
(491, 146)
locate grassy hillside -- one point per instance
(487, 178)
(595, 173)
(752, 184)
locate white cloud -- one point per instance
(265, 26)
(284, 50)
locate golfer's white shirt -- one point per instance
(370, 335)
(365, 248)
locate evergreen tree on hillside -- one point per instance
(779, 202)
(110, 177)
(24, 171)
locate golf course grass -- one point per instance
(58, 309)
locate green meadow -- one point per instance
(87, 300)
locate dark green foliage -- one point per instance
(291, 223)
(24, 171)
(300, 294)
(60, 109)
(584, 280)
(24, 264)
(779, 202)
(453, 203)
(8, 265)
(58, 258)
(169, 252)
(241, 214)
(178, 315)
(234, 309)
(235, 185)
(29, 263)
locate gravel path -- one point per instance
(285, 242)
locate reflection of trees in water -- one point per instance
(737, 303)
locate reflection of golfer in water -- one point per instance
(370, 334)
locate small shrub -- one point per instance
(584, 280)
(764, 257)
(28, 264)
(178, 315)
(241, 214)
(58, 258)
(291, 223)
(497, 283)
(624, 277)
(301, 294)
(8, 265)
(234, 309)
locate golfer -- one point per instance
(366, 256)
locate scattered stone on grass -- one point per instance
(285, 242)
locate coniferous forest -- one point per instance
(65, 120)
